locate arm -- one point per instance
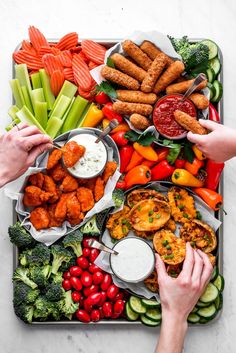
(219, 145)
(18, 150)
(178, 297)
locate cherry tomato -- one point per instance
(93, 268)
(89, 290)
(81, 302)
(82, 262)
(76, 296)
(95, 315)
(106, 281)
(76, 283)
(85, 242)
(101, 313)
(82, 315)
(86, 279)
(93, 255)
(119, 296)
(66, 284)
(86, 252)
(97, 277)
(119, 306)
(115, 315)
(103, 298)
(112, 291)
(102, 98)
(107, 309)
(67, 275)
(93, 299)
(87, 307)
(76, 271)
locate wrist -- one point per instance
(3, 177)
(174, 318)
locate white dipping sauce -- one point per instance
(135, 260)
(94, 158)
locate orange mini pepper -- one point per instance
(193, 167)
(146, 151)
(162, 153)
(211, 197)
(184, 178)
(121, 127)
(135, 160)
(140, 174)
(198, 153)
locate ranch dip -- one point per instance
(94, 158)
(135, 260)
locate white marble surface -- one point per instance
(210, 19)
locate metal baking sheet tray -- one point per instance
(219, 214)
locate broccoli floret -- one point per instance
(21, 274)
(60, 255)
(20, 237)
(67, 306)
(118, 197)
(57, 278)
(179, 44)
(67, 265)
(24, 293)
(24, 312)
(40, 275)
(73, 240)
(44, 309)
(91, 227)
(54, 292)
(24, 257)
(38, 256)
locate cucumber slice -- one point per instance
(213, 49)
(130, 314)
(215, 65)
(210, 294)
(203, 321)
(201, 305)
(210, 75)
(214, 273)
(219, 302)
(212, 90)
(219, 91)
(146, 321)
(136, 305)
(193, 318)
(219, 283)
(151, 303)
(153, 314)
(195, 309)
(208, 312)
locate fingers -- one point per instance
(188, 262)
(195, 138)
(18, 127)
(207, 269)
(35, 140)
(160, 267)
(209, 125)
(197, 269)
(36, 151)
(29, 131)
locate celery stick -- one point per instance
(50, 99)
(41, 113)
(12, 112)
(25, 116)
(53, 126)
(36, 81)
(86, 110)
(17, 93)
(37, 96)
(75, 113)
(27, 98)
(61, 107)
(23, 76)
(12, 124)
(68, 89)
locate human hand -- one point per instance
(179, 295)
(219, 145)
(18, 150)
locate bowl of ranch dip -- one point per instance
(135, 260)
(93, 162)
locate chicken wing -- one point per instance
(110, 169)
(85, 197)
(53, 222)
(36, 180)
(58, 172)
(35, 196)
(39, 218)
(72, 153)
(54, 158)
(50, 186)
(99, 189)
(69, 184)
(61, 208)
(73, 209)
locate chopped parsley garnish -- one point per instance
(150, 219)
(185, 215)
(180, 206)
(150, 213)
(158, 216)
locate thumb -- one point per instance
(195, 138)
(160, 267)
(209, 125)
(36, 151)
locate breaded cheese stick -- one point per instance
(136, 96)
(189, 123)
(125, 108)
(199, 100)
(136, 54)
(169, 75)
(152, 51)
(128, 67)
(119, 77)
(182, 87)
(153, 73)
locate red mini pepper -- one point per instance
(211, 197)
(125, 156)
(179, 163)
(162, 153)
(110, 114)
(214, 171)
(162, 170)
(121, 182)
(213, 114)
(102, 98)
(119, 138)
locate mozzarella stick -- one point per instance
(199, 100)
(128, 67)
(152, 51)
(189, 123)
(137, 54)
(169, 75)
(118, 77)
(125, 108)
(153, 73)
(136, 96)
(182, 87)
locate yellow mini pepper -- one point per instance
(146, 152)
(93, 117)
(184, 178)
(198, 153)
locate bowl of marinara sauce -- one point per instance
(163, 115)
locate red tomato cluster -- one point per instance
(93, 289)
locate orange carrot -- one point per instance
(81, 73)
(92, 65)
(25, 57)
(44, 50)
(69, 74)
(65, 58)
(93, 51)
(69, 41)
(84, 57)
(37, 38)
(51, 63)
(28, 47)
(56, 81)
